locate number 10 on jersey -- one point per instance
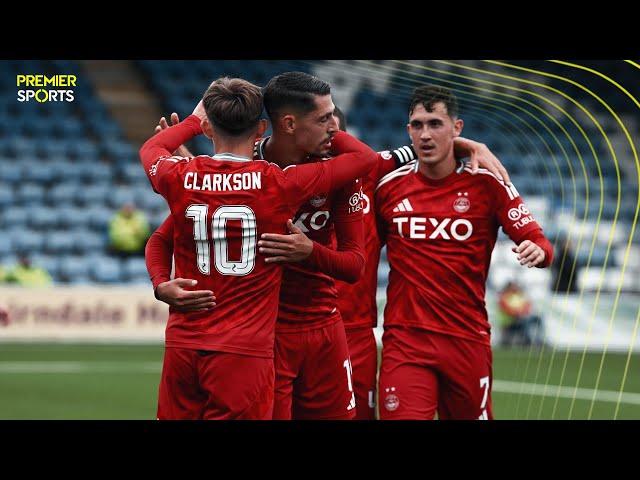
(244, 266)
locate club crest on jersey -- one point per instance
(391, 400)
(318, 200)
(462, 203)
(386, 155)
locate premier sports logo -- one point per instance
(43, 88)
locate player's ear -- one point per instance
(206, 128)
(262, 127)
(288, 123)
(458, 124)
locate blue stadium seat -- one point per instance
(6, 245)
(87, 242)
(12, 172)
(30, 193)
(50, 263)
(93, 195)
(64, 171)
(6, 195)
(62, 194)
(15, 217)
(150, 201)
(133, 173)
(135, 269)
(73, 266)
(41, 218)
(74, 217)
(99, 217)
(59, 242)
(27, 241)
(106, 270)
(121, 196)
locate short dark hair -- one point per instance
(294, 90)
(343, 120)
(233, 105)
(429, 95)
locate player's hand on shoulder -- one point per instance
(529, 253)
(175, 294)
(481, 156)
(294, 247)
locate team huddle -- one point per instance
(282, 236)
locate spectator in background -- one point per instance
(4, 317)
(128, 231)
(564, 276)
(26, 275)
(519, 326)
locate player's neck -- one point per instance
(438, 170)
(241, 149)
(281, 150)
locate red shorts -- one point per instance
(423, 372)
(313, 375)
(198, 385)
(364, 360)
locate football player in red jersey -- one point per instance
(320, 372)
(440, 225)
(219, 206)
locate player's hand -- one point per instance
(294, 247)
(181, 151)
(481, 156)
(175, 294)
(199, 111)
(529, 253)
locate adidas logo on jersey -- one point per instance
(404, 206)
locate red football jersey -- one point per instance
(220, 206)
(357, 301)
(308, 296)
(440, 235)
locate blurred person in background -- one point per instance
(128, 231)
(564, 275)
(518, 324)
(27, 275)
(4, 317)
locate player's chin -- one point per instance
(428, 159)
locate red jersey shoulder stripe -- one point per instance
(399, 172)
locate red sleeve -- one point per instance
(543, 242)
(354, 159)
(347, 262)
(517, 221)
(159, 252)
(155, 154)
